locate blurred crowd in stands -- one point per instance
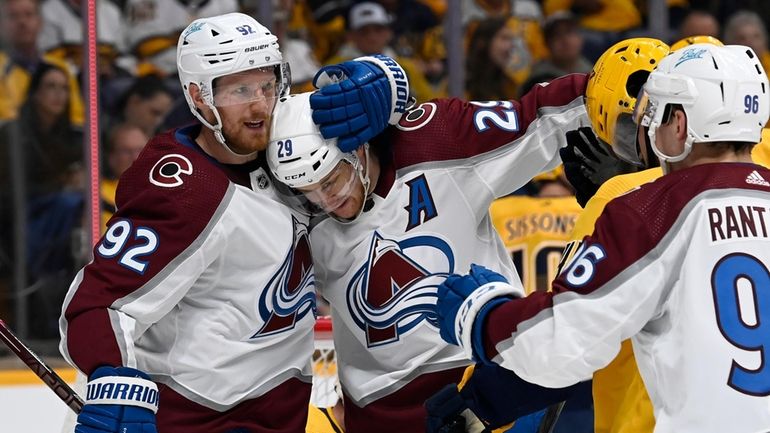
(510, 45)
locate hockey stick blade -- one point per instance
(551, 416)
(44, 372)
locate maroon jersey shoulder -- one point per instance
(166, 199)
(660, 203)
(452, 128)
(170, 173)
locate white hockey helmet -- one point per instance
(222, 45)
(723, 91)
(301, 158)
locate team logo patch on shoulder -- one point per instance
(418, 117)
(168, 171)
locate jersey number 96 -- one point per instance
(743, 328)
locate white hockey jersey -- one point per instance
(679, 265)
(204, 281)
(441, 168)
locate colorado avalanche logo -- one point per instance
(168, 171)
(392, 293)
(290, 294)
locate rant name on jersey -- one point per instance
(738, 222)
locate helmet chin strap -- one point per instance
(666, 160)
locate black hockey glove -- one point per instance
(491, 398)
(589, 163)
(448, 412)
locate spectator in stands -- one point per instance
(491, 61)
(145, 104)
(477, 10)
(41, 180)
(411, 20)
(20, 26)
(699, 23)
(369, 32)
(433, 55)
(296, 49)
(746, 28)
(155, 27)
(565, 44)
(62, 34)
(604, 22)
(124, 144)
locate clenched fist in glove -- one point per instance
(490, 397)
(119, 400)
(464, 300)
(358, 99)
(588, 163)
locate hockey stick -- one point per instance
(44, 372)
(552, 413)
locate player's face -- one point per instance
(245, 102)
(340, 193)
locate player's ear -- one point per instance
(195, 94)
(680, 120)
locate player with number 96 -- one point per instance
(679, 265)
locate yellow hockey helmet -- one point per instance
(614, 84)
(702, 39)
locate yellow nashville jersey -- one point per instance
(621, 403)
(761, 152)
(14, 84)
(613, 16)
(535, 231)
(322, 420)
(107, 188)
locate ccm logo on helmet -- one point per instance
(294, 176)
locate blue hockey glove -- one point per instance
(119, 400)
(357, 99)
(464, 299)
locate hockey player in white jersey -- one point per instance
(406, 210)
(679, 265)
(199, 302)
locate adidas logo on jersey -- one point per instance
(756, 179)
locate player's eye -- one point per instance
(329, 183)
(242, 90)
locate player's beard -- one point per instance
(244, 140)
